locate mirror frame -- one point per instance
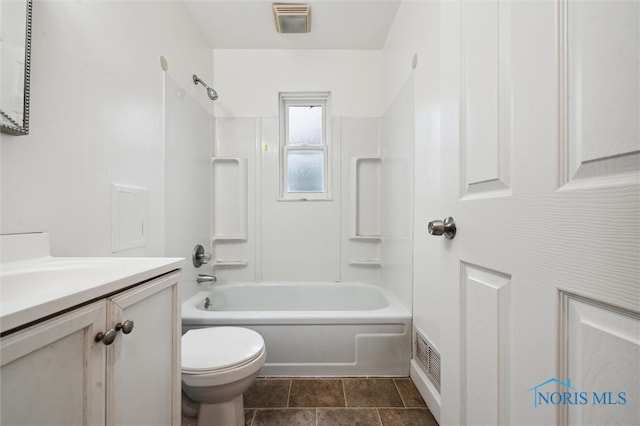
(22, 129)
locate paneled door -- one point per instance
(540, 143)
(144, 374)
(53, 373)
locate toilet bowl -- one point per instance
(218, 366)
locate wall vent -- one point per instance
(429, 358)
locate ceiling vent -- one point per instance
(292, 18)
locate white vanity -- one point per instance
(89, 341)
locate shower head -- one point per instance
(213, 95)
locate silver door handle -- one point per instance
(446, 227)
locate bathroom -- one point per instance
(112, 102)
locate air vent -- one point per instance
(292, 18)
(429, 358)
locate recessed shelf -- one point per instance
(230, 198)
(365, 262)
(228, 238)
(366, 237)
(230, 208)
(230, 262)
(366, 198)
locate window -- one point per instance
(304, 141)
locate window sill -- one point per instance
(303, 199)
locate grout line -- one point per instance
(344, 393)
(379, 418)
(404, 404)
(289, 394)
(253, 417)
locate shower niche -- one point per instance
(366, 198)
(230, 207)
(365, 226)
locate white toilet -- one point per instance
(218, 366)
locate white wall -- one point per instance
(187, 180)
(416, 31)
(249, 81)
(397, 192)
(237, 138)
(300, 240)
(362, 202)
(313, 241)
(426, 270)
(290, 241)
(96, 118)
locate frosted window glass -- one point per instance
(305, 171)
(305, 125)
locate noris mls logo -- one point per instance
(568, 395)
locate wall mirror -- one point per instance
(15, 64)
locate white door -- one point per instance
(540, 158)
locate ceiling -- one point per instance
(335, 24)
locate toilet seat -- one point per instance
(219, 349)
(222, 370)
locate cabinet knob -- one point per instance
(107, 337)
(126, 327)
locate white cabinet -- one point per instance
(55, 373)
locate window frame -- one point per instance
(289, 99)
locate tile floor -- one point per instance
(335, 402)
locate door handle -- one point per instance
(440, 227)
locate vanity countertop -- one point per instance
(36, 288)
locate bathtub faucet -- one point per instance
(203, 278)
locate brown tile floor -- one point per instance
(335, 402)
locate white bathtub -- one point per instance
(313, 329)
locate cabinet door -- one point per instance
(53, 373)
(143, 372)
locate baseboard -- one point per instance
(429, 393)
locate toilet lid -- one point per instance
(216, 348)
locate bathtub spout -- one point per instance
(202, 278)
